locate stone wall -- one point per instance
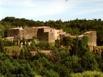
(41, 35)
(92, 38)
(28, 33)
(14, 32)
(20, 33)
(52, 36)
(48, 34)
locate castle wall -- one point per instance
(14, 32)
(41, 35)
(92, 38)
(28, 33)
(48, 34)
(18, 33)
(51, 37)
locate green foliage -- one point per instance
(88, 74)
(12, 50)
(43, 45)
(2, 28)
(14, 68)
(61, 64)
(81, 45)
(89, 61)
(25, 53)
(74, 27)
(1, 45)
(66, 41)
(69, 57)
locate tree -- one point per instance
(89, 62)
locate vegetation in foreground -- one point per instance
(63, 62)
(88, 74)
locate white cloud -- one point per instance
(46, 8)
(30, 8)
(86, 7)
(88, 11)
(16, 3)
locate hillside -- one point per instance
(74, 27)
(68, 57)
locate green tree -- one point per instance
(89, 62)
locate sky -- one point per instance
(45, 10)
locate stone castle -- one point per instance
(48, 34)
(43, 33)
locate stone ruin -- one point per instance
(91, 35)
(92, 39)
(42, 33)
(48, 34)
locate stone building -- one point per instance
(19, 33)
(42, 33)
(48, 34)
(28, 33)
(14, 33)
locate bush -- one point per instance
(87, 74)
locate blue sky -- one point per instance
(52, 9)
